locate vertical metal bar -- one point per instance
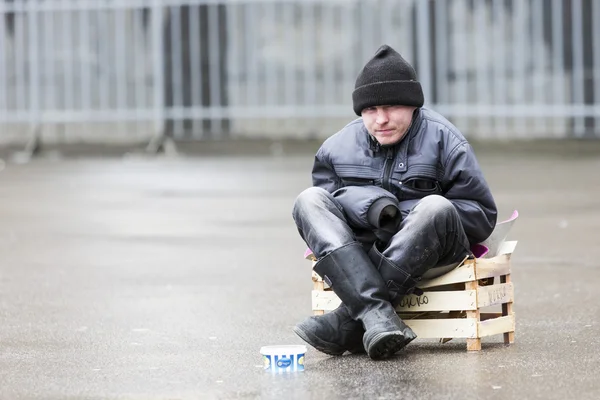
(596, 61)
(380, 20)
(365, 18)
(539, 62)
(157, 66)
(111, 13)
(349, 72)
(310, 95)
(578, 77)
(103, 67)
(4, 86)
(409, 28)
(139, 51)
(386, 13)
(499, 63)
(67, 42)
(214, 69)
(270, 73)
(252, 97)
(176, 70)
(146, 72)
(196, 67)
(48, 76)
(424, 49)
(290, 80)
(520, 59)
(304, 67)
(121, 57)
(328, 63)
(135, 68)
(441, 51)
(233, 61)
(233, 58)
(33, 53)
(481, 62)
(85, 60)
(20, 70)
(288, 68)
(460, 63)
(558, 72)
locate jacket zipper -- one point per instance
(389, 163)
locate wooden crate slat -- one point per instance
(439, 301)
(316, 277)
(464, 273)
(450, 328)
(433, 315)
(489, 315)
(473, 344)
(319, 285)
(495, 294)
(486, 268)
(492, 267)
(429, 301)
(325, 300)
(507, 309)
(497, 325)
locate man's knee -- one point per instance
(437, 206)
(310, 199)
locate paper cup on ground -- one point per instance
(283, 358)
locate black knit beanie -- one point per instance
(386, 79)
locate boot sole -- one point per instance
(319, 344)
(386, 344)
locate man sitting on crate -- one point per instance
(397, 193)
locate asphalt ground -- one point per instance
(134, 277)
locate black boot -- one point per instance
(333, 333)
(398, 280)
(353, 278)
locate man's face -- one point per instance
(388, 124)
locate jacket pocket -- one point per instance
(351, 181)
(419, 187)
(354, 175)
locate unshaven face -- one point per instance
(388, 124)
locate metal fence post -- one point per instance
(35, 118)
(423, 48)
(159, 140)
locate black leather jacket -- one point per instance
(432, 158)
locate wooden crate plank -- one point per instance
(474, 344)
(448, 328)
(495, 294)
(429, 301)
(489, 315)
(497, 325)
(325, 300)
(433, 315)
(507, 309)
(439, 301)
(316, 277)
(464, 273)
(492, 267)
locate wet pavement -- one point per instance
(161, 278)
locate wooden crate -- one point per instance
(458, 304)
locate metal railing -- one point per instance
(135, 69)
